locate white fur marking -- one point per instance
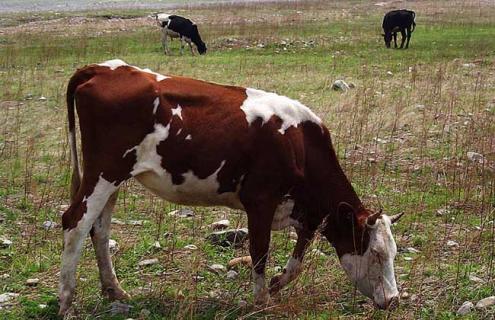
(189, 137)
(116, 63)
(264, 105)
(177, 111)
(128, 151)
(292, 269)
(179, 131)
(156, 103)
(281, 218)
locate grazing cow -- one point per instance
(398, 20)
(174, 26)
(197, 143)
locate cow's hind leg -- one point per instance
(408, 36)
(293, 266)
(100, 236)
(403, 33)
(77, 221)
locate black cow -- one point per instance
(398, 20)
(175, 26)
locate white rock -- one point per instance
(412, 250)
(182, 213)
(231, 274)
(147, 262)
(47, 225)
(452, 243)
(42, 98)
(408, 259)
(136, 222)
(7, 296)
(389, 73)
(117, 221)
(443, 211)
(475, 157)
(468, 65)
(157, 245)
(113, 246)
(217, 268)
(5, 243)
(476, 279)
(465, 308)
(340, 85)
(486, 302)
(32, 282)
(42, 306)
(191, 247)
(405, 295)
(221, 224)
(420, 107)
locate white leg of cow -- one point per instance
(181, 46)
(74, 237)
(260, 291)
(190, 46)
(165, 41)
(100, 235)
(294, 264)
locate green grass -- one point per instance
(421, 168)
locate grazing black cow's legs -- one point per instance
(403, 33)
(408, 36)
(395, 39)
(293, 267)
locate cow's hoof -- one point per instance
(275, 284)
(262, 298)
(116, 294)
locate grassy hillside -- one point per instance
(403, 135)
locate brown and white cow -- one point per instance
(197, 143)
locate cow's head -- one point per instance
(366, 250)
(387, 37)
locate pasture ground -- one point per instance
(403, 135)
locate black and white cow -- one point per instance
(398, 20)
(174, 26)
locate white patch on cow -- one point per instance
(148, 171)
(116, 63)
(373, 272)
(129, 151)
(281, 218)
(177, 111)
(179, 131)
(264, 105)
(188, 137)
(156, 103)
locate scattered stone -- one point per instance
(468, 65)
(486, 302)
(452, 243)
(389, 73)
(119, 308)
(475, 157)
(220, 225)
(113, 246)
(148, 262)
(191, 247)
(42, 306)
(7, 296)
(118, 221)
(405, 295)
(157, 245)
(5, 243)
(442, 212)
(475, 279)
(408, 258)
(227, 238)
(42, 98)
(182, 213)
(318, 252)
(217, 268)
(5, 276)
(246, 261)
(466, 307)
(198, 278)
(47, 225)
(135, 222)
(32, 282)
(231, 274)
(144, 314)
(412, 250)
(340, 85)
(420, 107)
(371, 160)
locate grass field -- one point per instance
(403, 135)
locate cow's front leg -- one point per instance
(260, 216)
(293, 266)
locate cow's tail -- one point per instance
(80, 77)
